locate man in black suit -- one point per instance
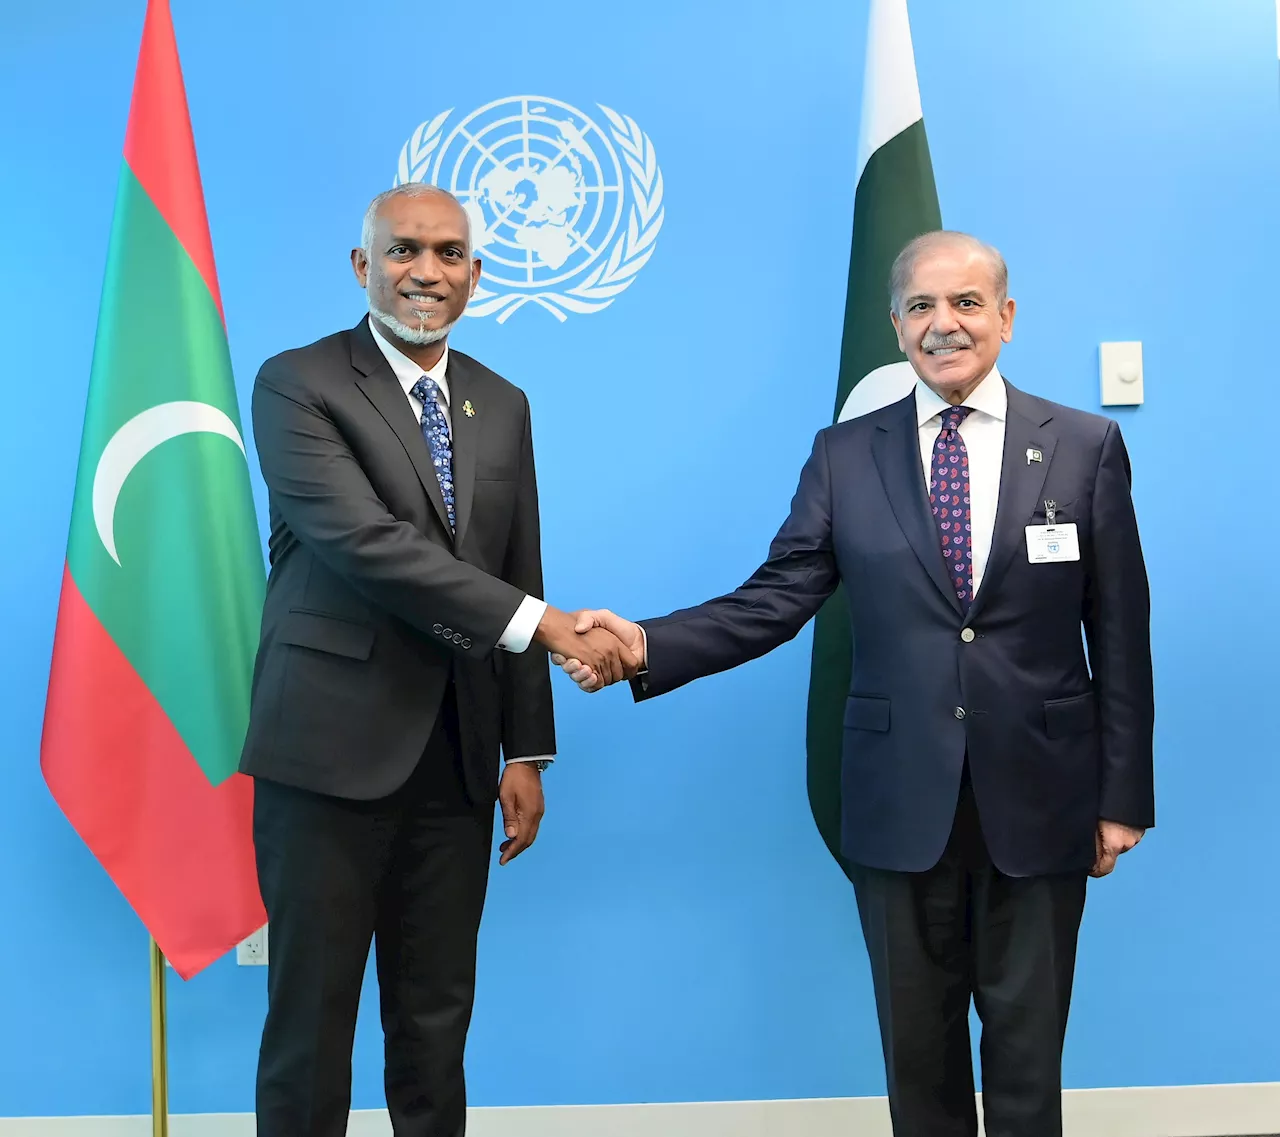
(989, 766)
(395, 664)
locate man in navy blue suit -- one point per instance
(990, 765)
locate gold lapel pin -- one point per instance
(468, 409)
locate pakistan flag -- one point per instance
(895, 201)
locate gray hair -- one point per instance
(408, 189)
(905, 262)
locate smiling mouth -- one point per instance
(946, 350)
(423, 299)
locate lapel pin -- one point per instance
(468, 409)
(1034, 456)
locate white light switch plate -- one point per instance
(1121, 367)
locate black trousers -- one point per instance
(963, 930)
(408, 871)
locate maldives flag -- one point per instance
(163, 585)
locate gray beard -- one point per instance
(421, 335)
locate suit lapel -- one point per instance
(1021, 483)
(383, 390)
(466, 438)
(896, 447)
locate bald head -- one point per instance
(944, 241)
(408, 189)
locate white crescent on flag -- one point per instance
(879, 388)
(135, 440)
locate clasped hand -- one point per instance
(578, 665)
(600, 656)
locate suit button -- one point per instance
(438, 628)
(447, 633)
(968, 635)
(457, 637)
(466, 644)
(959, 712)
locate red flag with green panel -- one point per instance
(162, 590)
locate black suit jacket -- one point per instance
(1055, 739)
(373, 603)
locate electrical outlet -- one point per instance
(252, 952)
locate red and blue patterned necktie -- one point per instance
(949, 499)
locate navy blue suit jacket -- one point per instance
(1055, 738)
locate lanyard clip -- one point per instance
(1050, 511)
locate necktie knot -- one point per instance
(954, 416)
(427, 390)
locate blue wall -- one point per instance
(679, 931)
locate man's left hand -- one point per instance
(520, 797)
(1111, 840)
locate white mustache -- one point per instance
(932, 342)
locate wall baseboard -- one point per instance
(1157, 1111)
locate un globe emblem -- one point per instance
(564, 212)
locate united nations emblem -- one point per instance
(563, 212)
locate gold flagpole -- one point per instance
(159, 1048)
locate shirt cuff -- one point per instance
(533, 758)
(519, 633)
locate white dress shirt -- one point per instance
(983, 435)
(518, 634)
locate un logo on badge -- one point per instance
(563, 212)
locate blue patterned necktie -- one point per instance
(435, 429)
(949, 499)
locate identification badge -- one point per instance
(1048, 544)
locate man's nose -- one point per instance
(425, 268)
(944, 320)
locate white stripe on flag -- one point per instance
(890, 92)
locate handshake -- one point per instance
(594, 647)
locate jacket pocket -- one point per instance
(505, 469)
(1065, 717)
(322, 632)
(866, 712)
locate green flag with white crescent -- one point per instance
(895, 201)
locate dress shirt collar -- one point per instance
(408, 372)
(989, 397)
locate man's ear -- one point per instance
(360, 266)
(1006, 320)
